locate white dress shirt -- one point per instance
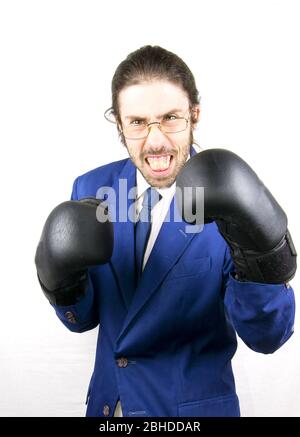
(158, 212)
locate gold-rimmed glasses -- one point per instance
(138, 128)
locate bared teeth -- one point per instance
(160, 162)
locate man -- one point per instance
(168, 302)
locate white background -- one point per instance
(57, 60)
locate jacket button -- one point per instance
(122, 362)
(106, 410)
(70, 316)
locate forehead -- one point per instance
(152, 98)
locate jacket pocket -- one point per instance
(221, 406)
(192, 267)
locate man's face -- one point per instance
(160, 156)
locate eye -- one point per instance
(170, 117)
(137, 122)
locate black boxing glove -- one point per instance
(246, 213)
(72, 240)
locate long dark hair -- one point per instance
(152, 62)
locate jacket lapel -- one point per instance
(123, 258)
(169, 246)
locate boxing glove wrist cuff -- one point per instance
(70, 293)
(276, 266)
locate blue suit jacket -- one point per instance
(177, 330)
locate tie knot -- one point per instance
(151, 197)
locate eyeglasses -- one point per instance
(139, 129)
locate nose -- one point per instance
(155, 138)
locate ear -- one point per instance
(195, 115)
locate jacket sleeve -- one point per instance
(82, 316)
(262, 314)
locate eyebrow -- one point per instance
(132, 117)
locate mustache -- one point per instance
(161, 151)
